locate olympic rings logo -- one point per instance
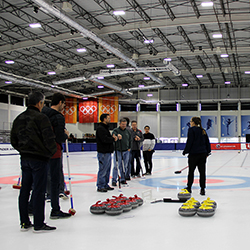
(69, 110)
(88, 109)
(108, 109)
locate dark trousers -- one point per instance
(62, 184)
(135, 155)
(147, 156)
(33, 172)
(197, 160)
(55, 173)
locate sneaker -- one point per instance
(188, 189)
(63, 196)
(26, 226)
(124, 182)
(59, 215)
(109, 188)
(48, 199)
(44, 228)
(202, 191)
(128, 179)
(147, 174)
(102, 190)
(114, 184)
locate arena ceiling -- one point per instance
(181, 30)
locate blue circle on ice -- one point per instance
(158, 182)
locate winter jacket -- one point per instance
(58, 123)
(136, 145)
(104, 139)
(197, 142)
(125, 142)
(149, 142)
(32, 135)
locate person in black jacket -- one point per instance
(198, 147)
(32, 136)
(104, 149)
(55, 165)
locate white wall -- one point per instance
(79, 129)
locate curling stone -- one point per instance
(209, 201)
(133, 202)
(193, 202)
(205, 211)
(113, 209)
(126, 205)
(107, 202)
(184, 195)
(187, 210)
(98, 208)
(139, 200)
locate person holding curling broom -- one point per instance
(198, 149)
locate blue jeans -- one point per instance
(33, 172)
(122, 171)
(103, 175)
(128, 172)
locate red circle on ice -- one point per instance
(208, 181)
(13, 179)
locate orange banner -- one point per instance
(109, 105)
(88, 111)
(70, 110)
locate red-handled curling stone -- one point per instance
(113, 209)
(126, 205)
(139, 200)
(133, 202)
(98, 208)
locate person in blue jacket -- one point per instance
(198, 149)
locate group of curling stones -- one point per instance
(191, 206)
(117, 205)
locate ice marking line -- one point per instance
(223, 165)
(243, 160)
(157, 182)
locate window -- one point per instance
(229, 106)
(189, 107)
(148, 107)
(16, 100)
(209, 106)
(168, 107)
(3, 98)
(128, 107)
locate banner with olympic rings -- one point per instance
(70, 110)
(109, 105)
(88, 111)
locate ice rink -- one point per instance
(150, 226)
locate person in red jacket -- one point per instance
(198, 147)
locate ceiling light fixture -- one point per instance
(110, 65)
(149, 95)
(81, 50)
(217, 35)
(224, 55)
(227, 82)
(119, 12)
(207, 4)
(9, 62)
(8, 82)
(35, 25)
(141, 86)
(100, 77)
(167, 59)
(184, 84)
(148, 41)
(85, 98)
(146, 78)
(199, 76)
(51, 73)
(100, 86)
(247, 72)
